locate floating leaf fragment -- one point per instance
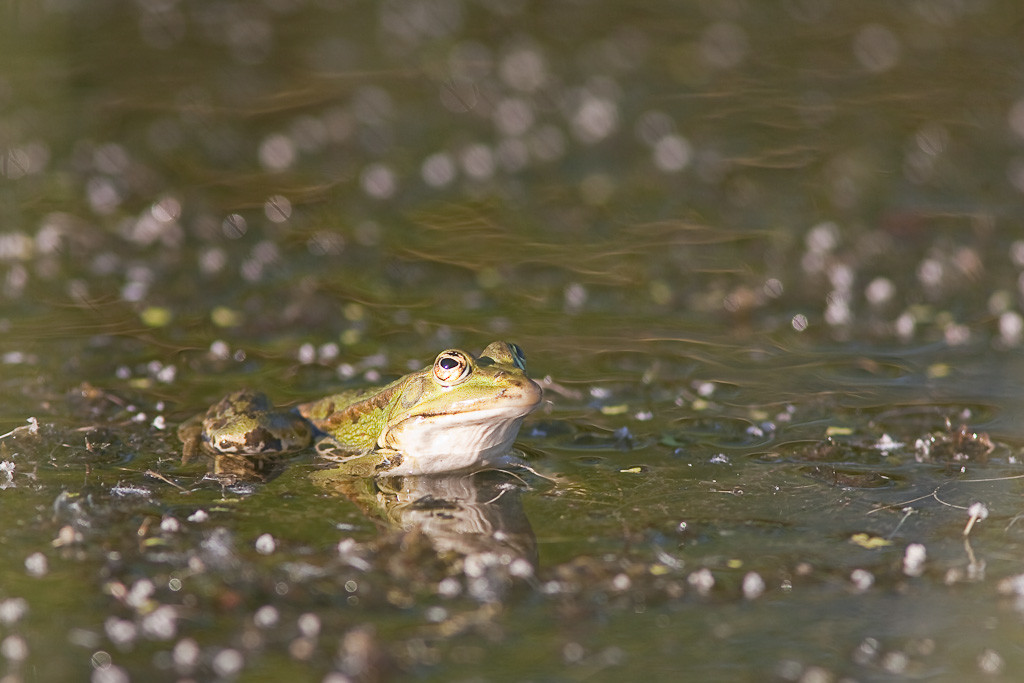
(222, 316)
(614, 410)
(156, 316)
(868, 541)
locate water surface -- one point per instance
(766, 262)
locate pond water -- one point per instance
(766, 262)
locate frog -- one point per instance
(461, 412)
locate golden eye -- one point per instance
(451, 367)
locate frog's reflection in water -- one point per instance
(462, 514)
(477, 514)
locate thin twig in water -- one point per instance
(935, 495)
(902, 505)
(157, 475)
(906, 514)
(1006, 478)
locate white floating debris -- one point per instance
(228, 662)
(990, 662)
(220, 350)
(307, 354)
(347, 551)
(867, 651)
(672, 153)
(438, 170)
(309, 625)
(161, 623)
(436, 614)
(1012, 585)
(1011, 328)
(128, 490)
(266, 616)
(12, 610)
(139, 595)
(621, 582)
(879, 291)
(31, 429)
(14, 649)
(199, 516)
(36, 564)
(521, 568)
(887, 443)
(449, 587)
(913, 559)
(167, 373)
(185, 654)
(895, 662)
(705, 389)
(120, 631)
(862, 579)
(378, 181)
(6, 474)
(328, 352)
(702, 580)
(265, 544)
(753, 586)
(976, 512)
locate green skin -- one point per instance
(458, 412)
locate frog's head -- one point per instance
(461, 411)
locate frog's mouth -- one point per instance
(443, 442)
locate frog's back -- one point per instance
(355, 417)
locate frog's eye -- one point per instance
(503, 352)
(519, 357)
(451, 367)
